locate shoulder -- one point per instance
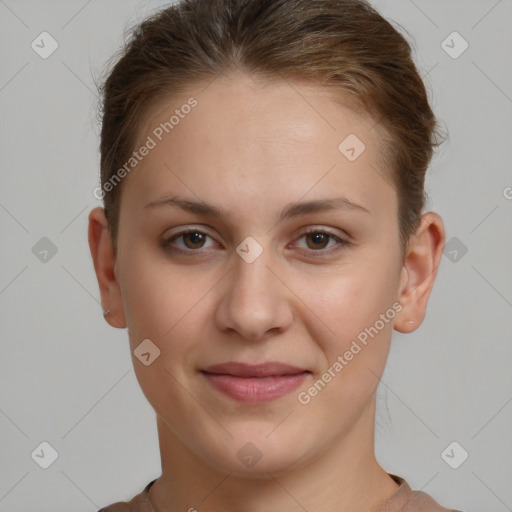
(422, 502)
(139, 503)
(407, 500)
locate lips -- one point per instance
(255, 383)
(271, 369)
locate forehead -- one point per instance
(252, 136)
(255, 106)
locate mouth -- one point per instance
(257, 383)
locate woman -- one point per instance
(262, 167)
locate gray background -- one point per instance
(66, 376)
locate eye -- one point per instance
(189, 241)
(195, 240)
(318, 240)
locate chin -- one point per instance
(255, 456)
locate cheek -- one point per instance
(163, 305)
(154, 295)
(166, 304)
(359, 309)
(352, 302)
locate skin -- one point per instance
(251, 149)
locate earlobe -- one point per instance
(104, 260)
(419, 271)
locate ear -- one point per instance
(422, 258)
(104, 259)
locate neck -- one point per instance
(344, 478)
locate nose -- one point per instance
(255, 302)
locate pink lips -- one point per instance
(257, 383)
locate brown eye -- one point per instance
(194, 240)
(320, 243)
(190, 241)
(317, 240)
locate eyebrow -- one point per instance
(290, 211)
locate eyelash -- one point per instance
(167, 243)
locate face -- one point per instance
(250, 239)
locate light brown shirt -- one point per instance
(404, 499)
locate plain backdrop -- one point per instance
(66, 376)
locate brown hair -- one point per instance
(343, 44)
